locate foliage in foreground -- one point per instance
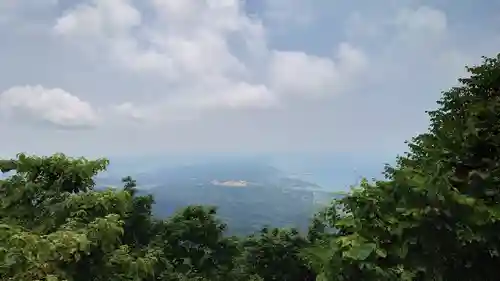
(436, 216)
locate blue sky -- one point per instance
(119, 77)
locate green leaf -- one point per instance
(322, 277)
(361, 251)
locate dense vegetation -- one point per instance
(436, 216)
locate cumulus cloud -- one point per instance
(187, 39)
(54, 106)
(223, 94)
(212, 54)
(278, 75)
(296, 73)
(423, 18)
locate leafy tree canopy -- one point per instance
(437, 214)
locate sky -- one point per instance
(123, 77)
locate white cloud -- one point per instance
(411, 39)
(191, 45)
(99, 19)
(422, 23)
(352, 61)
(423, 18)
(296, 73)
(290, 76)
(223, 94)
(55, 106)
(187, 39)
(299, 73)
(423, 27)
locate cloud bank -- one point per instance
(218, 75)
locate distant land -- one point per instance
(250, 192)
(334, 171)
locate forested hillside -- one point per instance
(249, 195)
(436, 216)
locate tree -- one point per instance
(55, 226)
(436, 216)
(193, 243)
(273, 254)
